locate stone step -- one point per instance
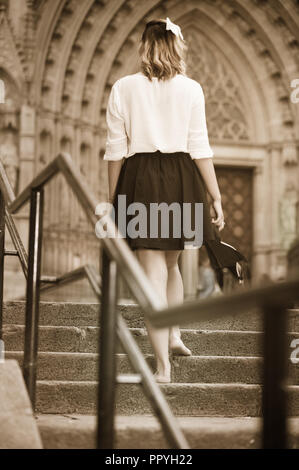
(194, 369)
(86, 340)
(83, 314)
(144, 432)
(185, 399)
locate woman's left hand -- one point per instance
(219, 221)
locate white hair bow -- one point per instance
(174, 28)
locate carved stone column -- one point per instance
(260, 229)
(27, 162)
(27, 145)
(276, 268)
(289, 196)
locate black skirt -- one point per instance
(157, 177)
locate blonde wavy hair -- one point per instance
(162, 53)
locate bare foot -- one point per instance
(178, 348)
(162, 379)
(163, 372)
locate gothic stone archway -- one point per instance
(243, 53)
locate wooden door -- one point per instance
(236, 191)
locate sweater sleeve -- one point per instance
(117, 141)
(198, 141)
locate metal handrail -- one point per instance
(115, 246)
(151, 388)
(212, 308)
(119, 257)
(130, 268)
(48, 282)
(8, 197)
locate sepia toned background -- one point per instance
(58, 61)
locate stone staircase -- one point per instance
(216, 393)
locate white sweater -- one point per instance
(144, 116)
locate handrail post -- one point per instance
(274, 400)
(2, 255)
(107, 359)
(33, 291)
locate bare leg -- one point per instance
(154, 265)
(175, 295)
